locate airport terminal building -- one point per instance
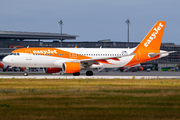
(13, 40)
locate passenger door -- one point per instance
(28, 55)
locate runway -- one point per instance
(90, 77)
(97, 75)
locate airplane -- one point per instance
(3, 66)
(133, 68)
(10, 68)
(72, 60)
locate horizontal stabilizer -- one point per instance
(161, 53)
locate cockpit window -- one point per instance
(17, 54)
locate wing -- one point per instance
(89, 62)
(106, 58)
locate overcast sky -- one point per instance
(92, 20)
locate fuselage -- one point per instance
(55, 57)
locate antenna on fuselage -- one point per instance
(28, 46)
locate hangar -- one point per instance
(34, 35)
(10, 40)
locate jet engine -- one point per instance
(1, 65)
(52, 70)
(71, 67)
(4, 66)
(141, 68)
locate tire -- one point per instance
(76, 74)
(89, 73)
(25, 74)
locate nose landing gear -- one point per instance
(26, 72)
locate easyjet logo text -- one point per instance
(44, 52)
(153, 35)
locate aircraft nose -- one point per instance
(6, 60)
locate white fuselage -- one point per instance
(40, 60)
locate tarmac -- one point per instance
(97, 75)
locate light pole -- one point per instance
(128, 22)
(61, 23)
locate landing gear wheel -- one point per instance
(25, 74)
(89, 73)
(76, 74)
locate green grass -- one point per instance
(89, 99)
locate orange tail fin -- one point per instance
(152, 41)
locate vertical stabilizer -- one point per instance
(152, 41)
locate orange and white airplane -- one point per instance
(10, 68)
(3, 66)
(72, 60)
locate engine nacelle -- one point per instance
(71, 67)
(23, 69)
(1, 65)
(141, 68)
(4, 66)
(52, 70)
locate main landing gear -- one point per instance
(76, 74)
(88, 73)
